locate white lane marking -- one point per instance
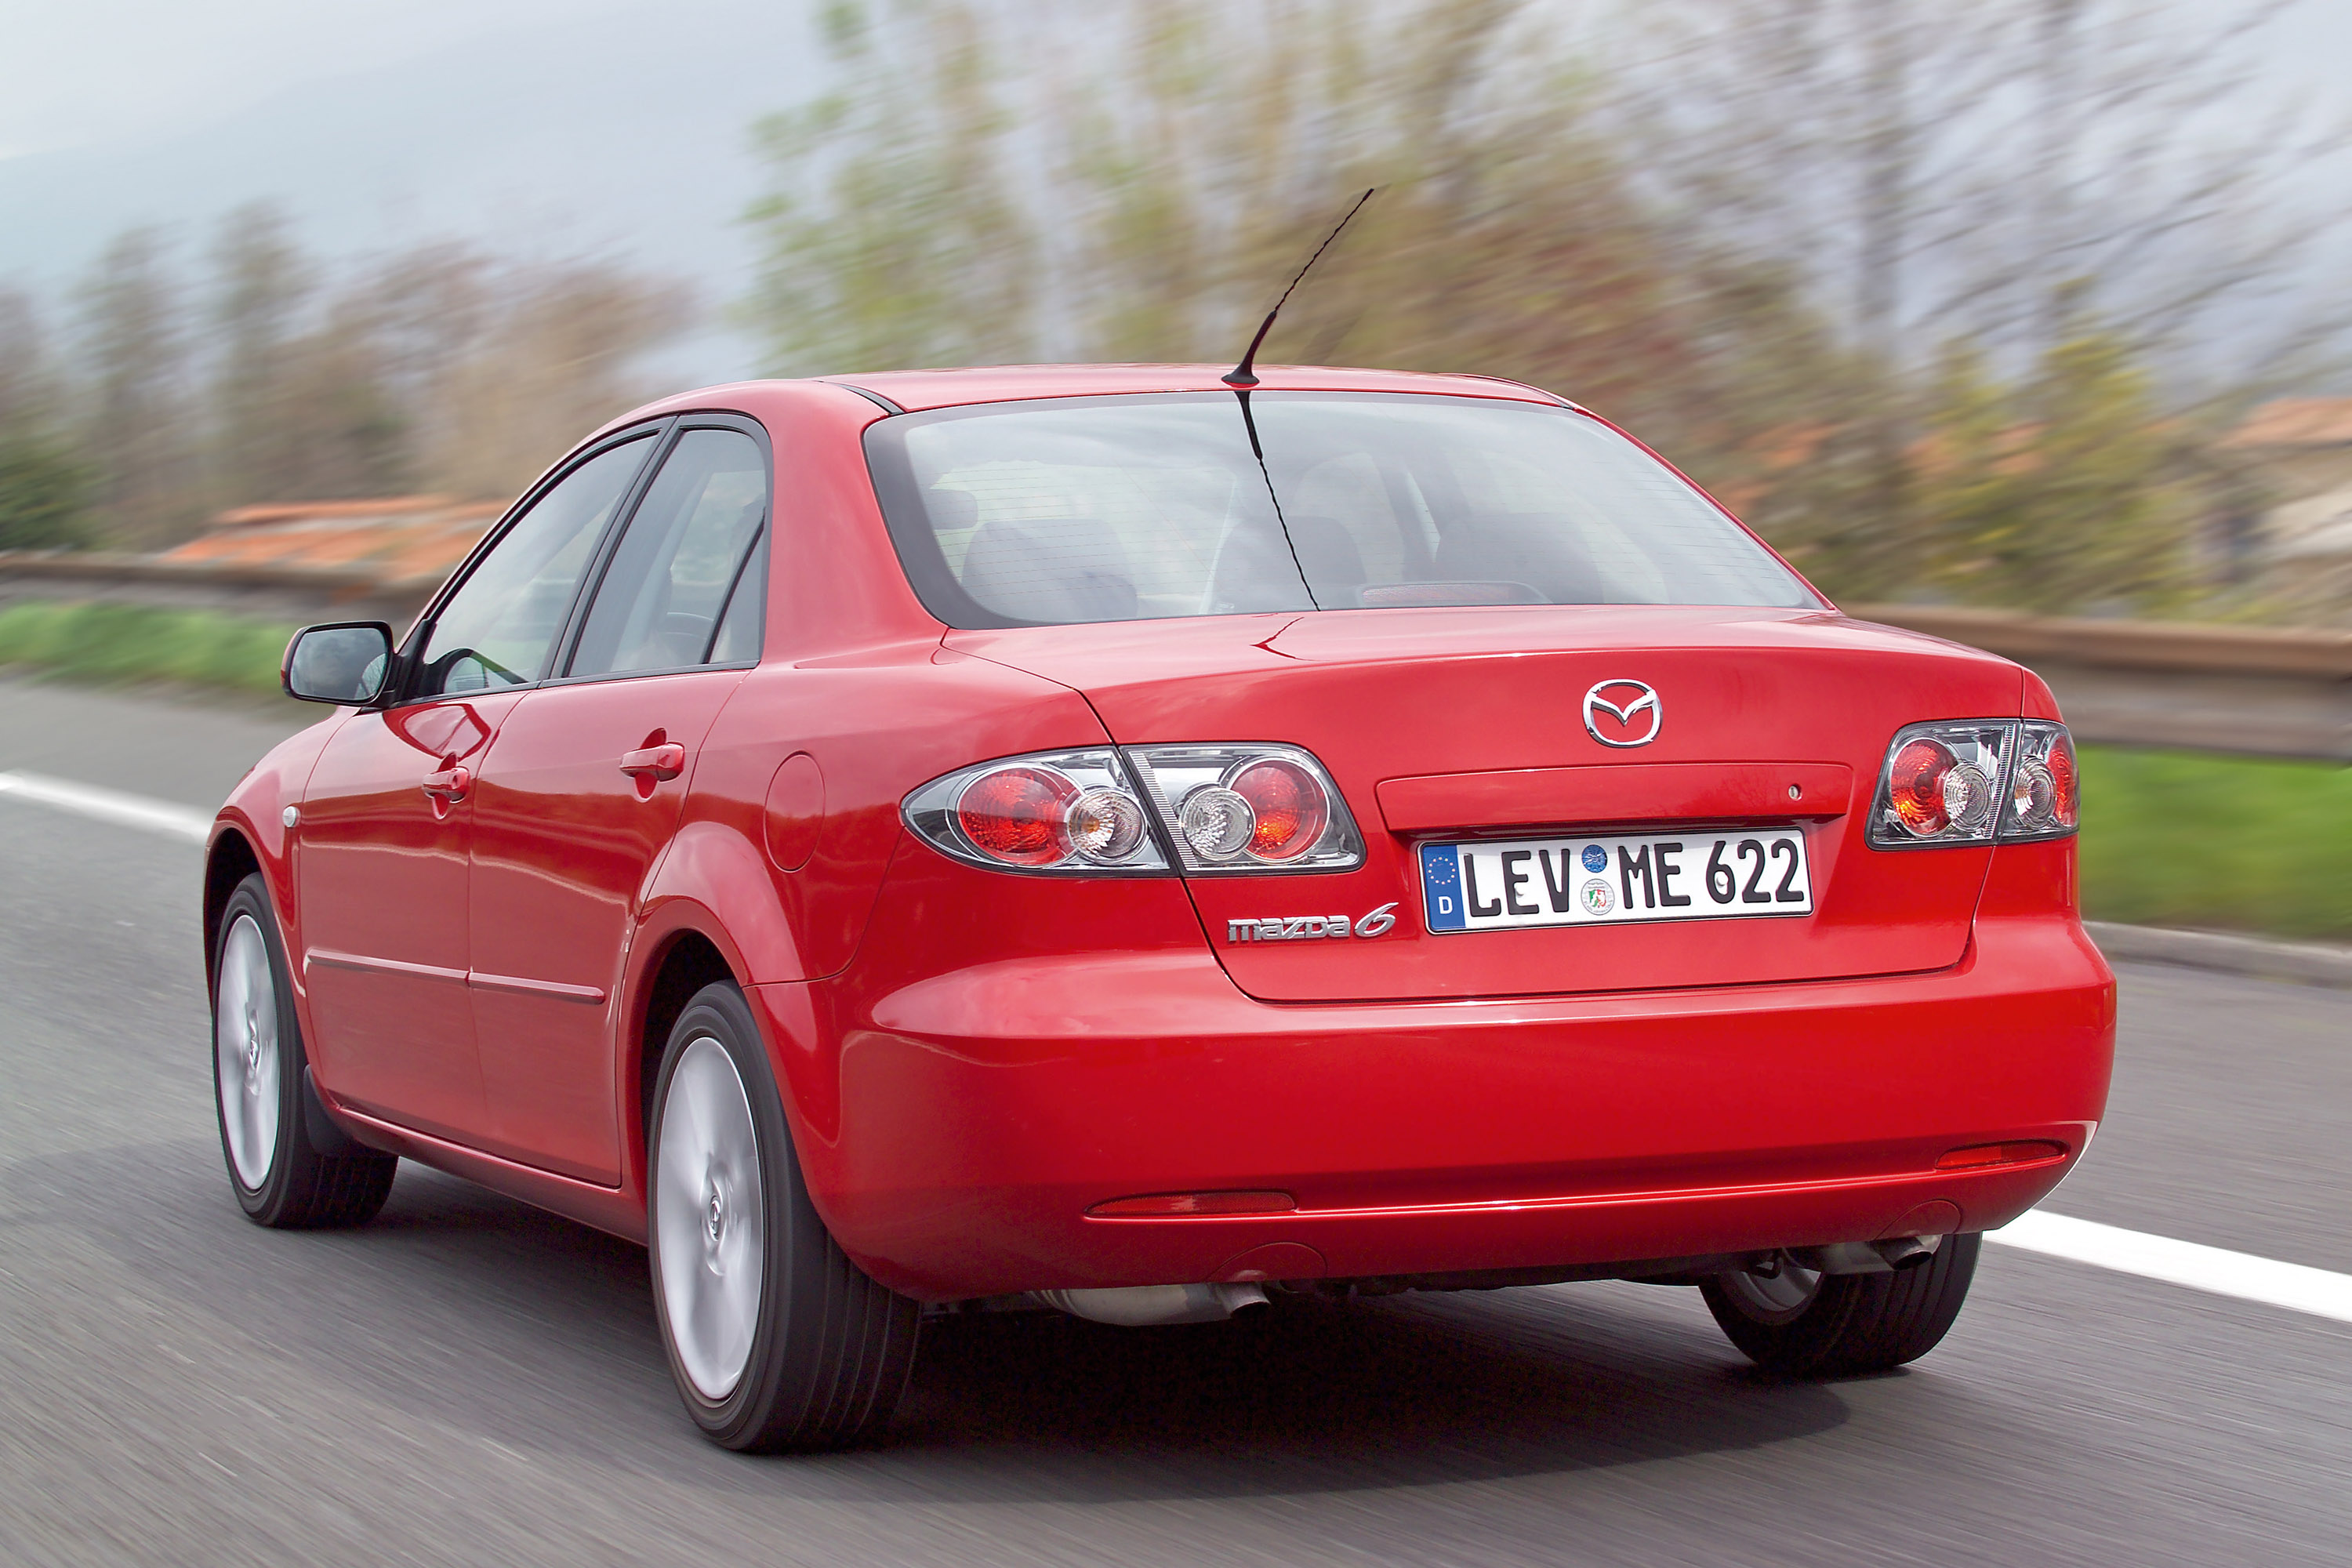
(161, 816)
(2295, 1286)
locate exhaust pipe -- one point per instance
(1868, 1257)
(1150, 1305)
(1907, 1251)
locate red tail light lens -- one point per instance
(1915, 786)
(1290, 806)
(2066, 792)
(1018, 815)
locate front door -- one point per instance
(584, 789)
(383, 840)
(381, 854)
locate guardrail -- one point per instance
(2264, 691)
(2260, 690)
(358, 591)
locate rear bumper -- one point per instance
(981, 1114)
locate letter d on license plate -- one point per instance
(1715, 875)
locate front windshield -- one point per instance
(1118, 508)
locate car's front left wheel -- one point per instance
(281, 1174)
(777, 1340)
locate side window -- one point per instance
(499, 626)
(742, 626)
(683, 560)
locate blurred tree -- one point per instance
(2061, 491)
(44, 492)
(1172, 160)
(1989, 174)
(27, 379)
(443, 365)
(1135, 180)
(547, 364)
(262, 283)
(892, 236)
(1985, 170)
(137, 430)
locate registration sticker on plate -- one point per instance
(1610, 880)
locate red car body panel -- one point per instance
(973, 1059)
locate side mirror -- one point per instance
(345, 663)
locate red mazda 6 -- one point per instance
(1089, 837)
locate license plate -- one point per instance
(1491, 886)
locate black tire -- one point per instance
(274, 1138)
(1851, 1324)
(817, 1354)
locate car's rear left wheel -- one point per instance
(1794, 1320)
(282, 1176)
(776, 1339)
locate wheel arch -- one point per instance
(227, 863)
(684, 962)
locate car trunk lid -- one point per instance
(1447, 725)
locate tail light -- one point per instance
(1974, 782)
(1246, 808)
(2045, 793)
(1249, 808)
(1071, 812)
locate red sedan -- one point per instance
(1092, 837)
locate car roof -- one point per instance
(920, 389)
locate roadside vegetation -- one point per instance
(2178, 838)
(121, 644)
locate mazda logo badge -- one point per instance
(1633, 700)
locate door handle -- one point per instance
(655, 761)
(449, 785)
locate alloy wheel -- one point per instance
(245, 1041)
(708, 1211)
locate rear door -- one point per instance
(584, 785)
(388, 817)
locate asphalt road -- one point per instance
(466, 1380)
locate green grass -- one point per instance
(2240, 843)
(113, 644)
(2169, 837)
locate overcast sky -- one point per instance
(77, 72)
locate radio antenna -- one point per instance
(1241, 374)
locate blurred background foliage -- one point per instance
(1950, 301)
(447, 368)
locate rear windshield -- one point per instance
(1120, 509)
